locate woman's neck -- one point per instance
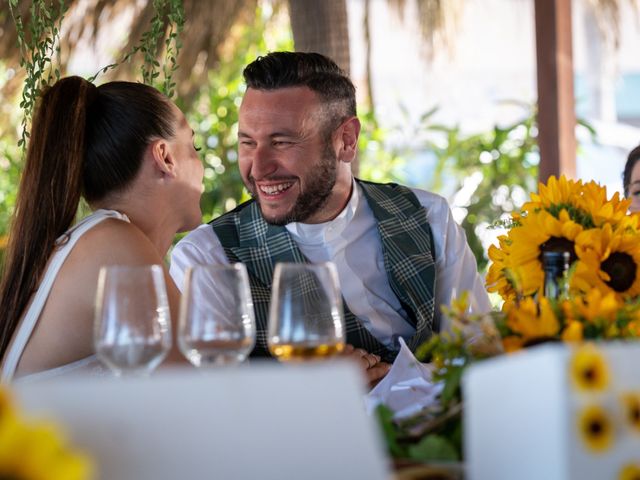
(154, 220)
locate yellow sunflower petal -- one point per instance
(573, 332)
(512, 344)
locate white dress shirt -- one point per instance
(352, 242)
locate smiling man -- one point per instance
(398, 251)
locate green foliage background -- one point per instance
(504, 158)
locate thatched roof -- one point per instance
(207, 25)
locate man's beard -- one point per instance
(317, 191)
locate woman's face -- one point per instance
(634, 188)
(189, 171)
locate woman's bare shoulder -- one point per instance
(114, 241)
(64, 332)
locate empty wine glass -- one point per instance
(217, 324)
(132, 333)
(305, 315)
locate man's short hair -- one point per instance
(305, 69)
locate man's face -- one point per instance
(286, 160)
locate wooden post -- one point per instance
(556, 104)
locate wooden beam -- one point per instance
(556, 103)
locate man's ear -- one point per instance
(348, 139)
(162, 157)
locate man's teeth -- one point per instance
(273, 189)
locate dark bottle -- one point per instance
(555, 266)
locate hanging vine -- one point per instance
(168, 21)
(38, 46)
(169, 12)
(173, 44)
(39, 43)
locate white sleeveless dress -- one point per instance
(29, 320)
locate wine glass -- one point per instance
(305, 316)
(217, 324)
(132, 333)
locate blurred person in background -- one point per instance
(631, 179)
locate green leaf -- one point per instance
(385, 417)
(434, 448)
(452, 384)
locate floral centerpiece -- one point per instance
(601, 301)
(603, 242)
(35, 451)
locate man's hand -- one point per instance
(374, 369)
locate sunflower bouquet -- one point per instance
(601, 301)
(603, 242)
(35, 451)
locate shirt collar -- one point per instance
(318, 233)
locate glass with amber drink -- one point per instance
(305, 315)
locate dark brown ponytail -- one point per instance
(49, 194)
(85, 140)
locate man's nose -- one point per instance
(264, 163)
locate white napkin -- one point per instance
(408, 387)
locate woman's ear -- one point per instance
(348, 134)
(162, 157)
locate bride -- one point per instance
(128, 150)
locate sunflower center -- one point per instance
(558, 244)
(589, 375)
(595, 427)
(621, 269)
(635, 414)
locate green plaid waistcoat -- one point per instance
(407, 245)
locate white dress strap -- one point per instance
(25, 328)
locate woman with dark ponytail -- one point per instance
(126, 149)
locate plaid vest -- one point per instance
(407, 245)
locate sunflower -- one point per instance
(630, 471)
(532, 321)
(631, 409)
(35, 452)
(608, 260)
(539, 232)
(588, 369)
(499, 279)
(599, 209)
(563, 210)
(573, 332)
(596, 306)
(6, 407)
(595, 428)
(557, 192)
(512, 343)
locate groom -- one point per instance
(398, 251)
